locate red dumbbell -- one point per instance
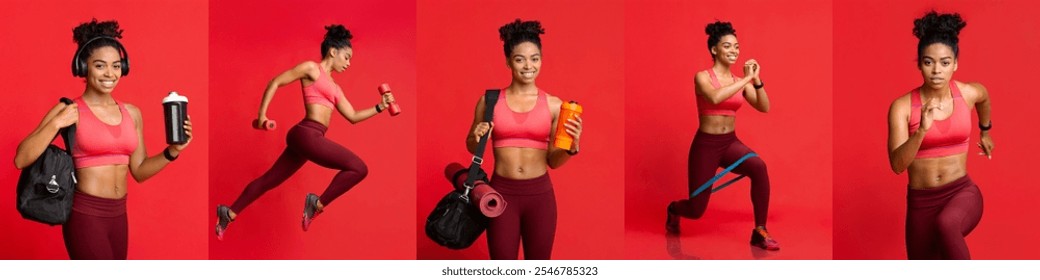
(394, 109)
(267, 125)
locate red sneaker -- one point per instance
(760, 238)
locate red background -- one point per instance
(166, 41)
(875, 38)
(254, 41)
(461, 56)
(666, 46)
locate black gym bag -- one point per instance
(46, 187)
(456, 221)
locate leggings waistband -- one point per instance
(309, 123)
(719, 138)
(924, 198)
(98, 206)
(534, 186)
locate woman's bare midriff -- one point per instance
(520, 163)
(927, 173)
(107, 181)
(319, 113)
(717, 124)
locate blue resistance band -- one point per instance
(729, 168)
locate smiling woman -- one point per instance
(719, 94)
(522, 151)
(109, 145)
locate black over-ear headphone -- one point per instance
(79, 67)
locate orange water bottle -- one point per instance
(568, 111)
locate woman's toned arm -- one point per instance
(306, 70)
(479, 127)
(756, 97)
(980, 97)
(32, 146)
(703, 83)
(903, 146)
(345, 109)
(142, 166)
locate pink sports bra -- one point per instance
(98, 143)
(946, 137)
(727, 107)
(525, 130)
(323, 91)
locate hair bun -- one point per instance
(519, 30)
(719, 29)
(939, 26)
(93, 29)
(337, 32)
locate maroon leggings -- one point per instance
(96, 229)
(530, 216)
(937, 220)
(709, 152)
(306, 141)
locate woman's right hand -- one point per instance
(261, 119)
(66, 117)
(482, 129)
(927, 112)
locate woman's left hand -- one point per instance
(175, 150)
(756, 69)
(986, 144)
(387, 99)
(574, 130)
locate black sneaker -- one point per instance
(310, 210)
(223, 220)
(671, 225)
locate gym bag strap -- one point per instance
(475, 172)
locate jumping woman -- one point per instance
(306, 141)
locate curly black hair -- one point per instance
(939, 28)
(336, 37)
(87, 31)
(518, 31)
(716, 30)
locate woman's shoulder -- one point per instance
(130, 107)
(702, 74)
(901, 103)
(554, 102)
(308, 65)
(971, 89)
(310, 68)
(549, 97)
(133, 111)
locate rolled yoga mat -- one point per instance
(490, 202)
